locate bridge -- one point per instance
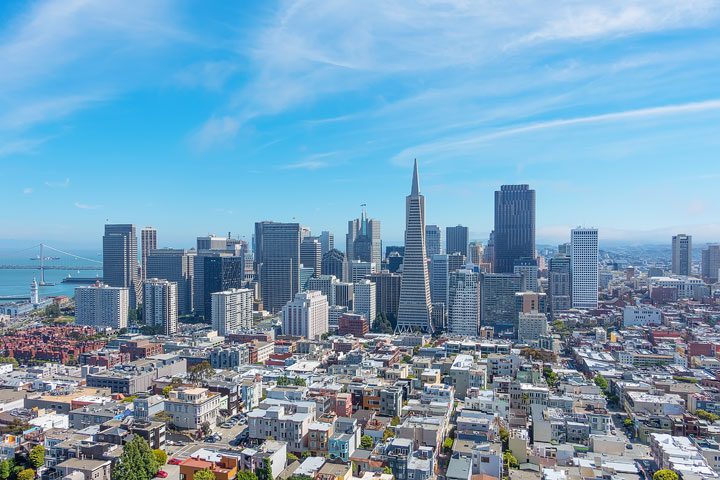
(96, 265)
(50, 267)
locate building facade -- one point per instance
(584, 265)
(160, 310)
(682, 254)
(306, 315)
(464, 307)
(456, 239)
(120, 260)
(433, 240)
(364, 303)
(277, 257)
(175, 265)
(102, 306)
(514, 233)
(148, 243)
(232, 310)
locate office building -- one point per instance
(306, 273)
(387, 293)
(175, 265)
(311, 254)
(497, 302)
(232, 310)
(353, 324)
(215, 271)
(514, 233)
(456, 261)
(325, 284)
(211, 242)
(394, 262)
(559, 284)
(148, 243)
(710, 263)
(306, 315)
(584, 267)
(531, 326)
(530, 302)
(528, 268)
(433, 240)
(362, 241)
(334, 314)
(456, 240)
(344, 294)
(439, 278)
(489, 252)
(333, 263)
(360, 270)
(327, 242)
(160, 298)
(120, 260)
(475, 253)
(414, 311)
(682, 254)
(364, 301)
(277, 258)
(102, 306)
(464, 306)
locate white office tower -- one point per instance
(359, 270)
(306, 315)
(584, 266)
(464, 308)
(365, 299)
(160, 298)
(325, 284)
(414, 309)
(102, 306)
(232, 310)
(531, 326)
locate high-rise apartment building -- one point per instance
(362, 241)
(433, 240)
(497, 302)
(277, 256)
(456, 239)
(464, 308)
(160, 310)
(333, 263)
(327, 242)
(232, 310)
(710, 263)
(148, 243)
(439, 278)
(584, 265)
(531, 326)
(102, 306)
(324, 284)
(120, 260)
(365, 301)
(175, 265)
(528, 268)
(414, 312)
(682, 254)
(387, 286)
(559, 284)
(311, 254)
(306, 315)
(514, 233)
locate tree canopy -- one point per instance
(665, 474)
(137, 461)
(202, 475)
(37, 456)
(366, 442)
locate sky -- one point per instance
(199, 117)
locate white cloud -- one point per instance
(85, 206)
(306, 165)
(27, 190)
(217, 130)
(55, 184)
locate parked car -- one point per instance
(161, 474)
(174, 461)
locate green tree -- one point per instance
(37, 456)
(381, 324)
(200, 372)
(27, 474)
(246, 475)
(550, 377)
(602, 382)
(205, 427)
(291, 457)
(166, 390)
(709, 416)
(509, 460)
(504, 437)
(137, 461)
(300, 477)
(395, 421)
(300, 382)
(160, 456)
(448, 443)
(52, 310)
(265, 472)
(665, 474)
(201, 475)
(387, 470)
(5, 469)
(628, 422)
(9, 360)
(366, 442)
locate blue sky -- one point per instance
(201, 117)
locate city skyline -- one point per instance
(276, 97)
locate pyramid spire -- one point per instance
(415, 183)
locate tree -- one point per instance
(166, 391)
(200, 372)
(5, 469)
(300, 382)
(509, 460)
(448, 443)
(265, 472)
(160, 456)
(202, 475)
(602, 382)
(300, 477)
(137, 461)
(387, 434)
(381, 324)
(205, 428)
(550, 377)
(387, 470)
(37, 456)
(52, 310)
(27, 474)
(246, 475)
(395, 421)
(628, 422)
(504, 437)
(366, 442)
(665, 474)
(709, 416)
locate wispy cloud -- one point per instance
(55, 184)
(27, 191)
(306, 165)
(216, 131)
(85, 206)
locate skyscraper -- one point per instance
(433, 240)
(528, 268)
(497, 302)
(277, 256)
(710, 264)
(475, 253)
(414, 311)
(333, 263)
(365, 302)
(559, 285)
(464, 308)
(120, 260)
(387, 293)
(175, 265)
(232, 310)
(148, 243)
(160, 299)
(101, 306)
(311, 254)
(327, 242)
(362, 241)
(325, 284)
(514, 234)
(359, 270)
(220, 272)
(306, 315)
(439, 278)
(584, 265)
(682, 254)
(456, 239)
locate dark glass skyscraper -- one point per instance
(456, 240)
(120, 260)
(514, 226)
(333, 263)
(277, 257)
